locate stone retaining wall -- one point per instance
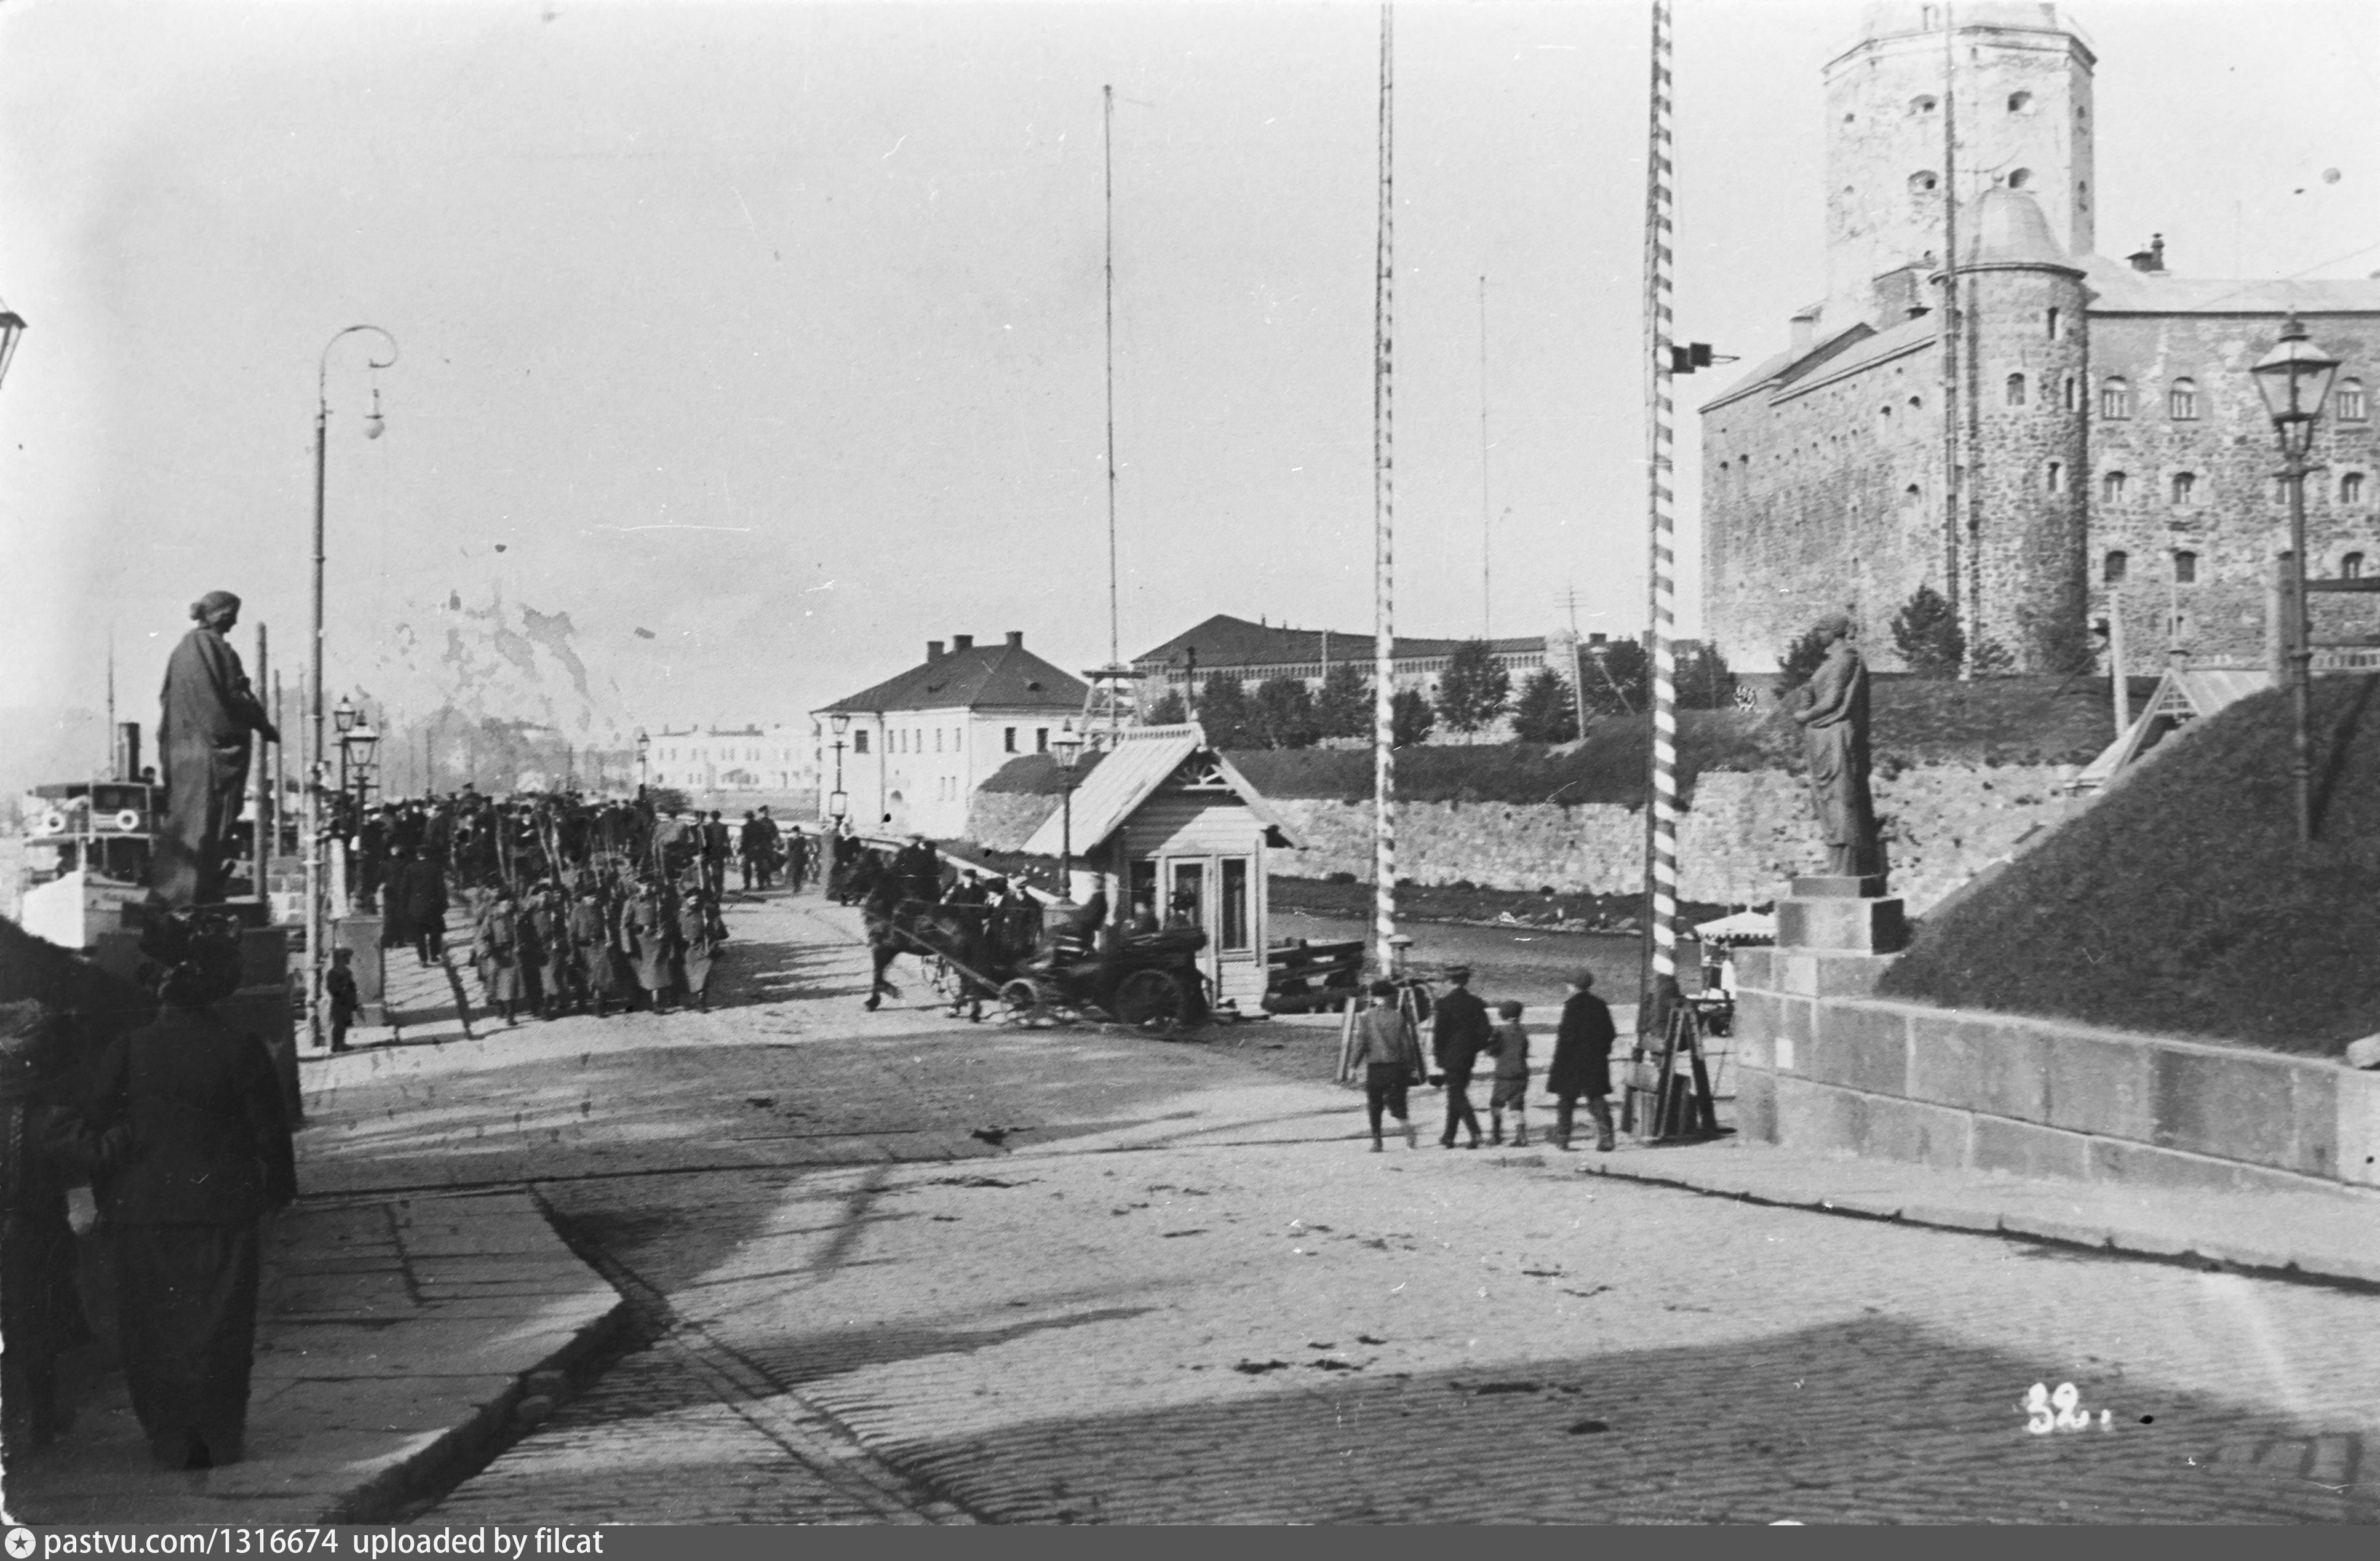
(1742, 834)
(1822, 1065)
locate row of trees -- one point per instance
(1927, 632)
(1473, 692)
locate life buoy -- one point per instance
(127, 819)
(54, 822)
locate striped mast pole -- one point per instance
(1661, 817)
(1115, 638)
(1384, 652)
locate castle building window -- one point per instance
(2055, 320)
(2018, 178)
(2181, 401)
(1917, 402)
(2111, 487)
(2351, 567)
(2185, 569)
(2185, 489)
(2015, 390)
(2117, 562)
(2018, 104)
(2350, 401)
(2351, 489)
(2070, 393)
(1922, 103)
(2116, 397)
(1922, 181)
(2055, 478)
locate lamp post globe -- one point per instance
(1068, 746)
(2294, 379)
(343, 716)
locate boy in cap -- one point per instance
(1388, 1058)
(1509, 1045)
(1459, 1033)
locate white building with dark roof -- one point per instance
(916, 747)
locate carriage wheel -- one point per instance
(1021, 1003)
(1153, 1000)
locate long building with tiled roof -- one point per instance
(1258, 653)
(914, 746)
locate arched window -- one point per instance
(2181, 401)
(2070, 393)
(1922, 103)
(2113, 570)
(2020, 101)
(1922, 182)
(2351, 567)
(2116, 397)
(2350, 396)
(2185, 489)
(2185, 569)
(2015, 390)
(1885, 412)
(2351, 489)
(2057, 321)
(2111, 487)
(1917, 402)
(2055, 477)
(2018, 178)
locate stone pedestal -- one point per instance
(1841, 915)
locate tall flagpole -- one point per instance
(1661, 817)
(1115, 638)
(1486, 522)
(1384, 650)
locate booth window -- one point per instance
(1235, 904)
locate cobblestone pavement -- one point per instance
(1182, 1291)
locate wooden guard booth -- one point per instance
(1163, 824)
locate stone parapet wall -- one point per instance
(1822, 1065)
(1743, 834)
(1006, 820)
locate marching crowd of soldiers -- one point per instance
(574, 903)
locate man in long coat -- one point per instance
(202, 745)
(1833, 714)
(1581, 1064)
(591, 937)
(646, 928)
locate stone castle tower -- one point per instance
(2023, 121)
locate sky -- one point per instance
(764, 342)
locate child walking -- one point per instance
(1509, 1043)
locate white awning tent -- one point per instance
(1743, 928)
(2182, 695)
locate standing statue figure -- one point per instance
(202, 745)
(1833, 713)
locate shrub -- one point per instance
(1341, 877)
(1285, 714)
(1474, 689)
(1546, 712)
(1225, 714)
(1801, 660)
(1411, 718)
(1344, 707)
(1169, 710)
(1926, 631)
(1617, 678)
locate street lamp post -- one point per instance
(644, 761)
(838, 802)
(343, 720)
(1068, 746)
(2294, 379)
(316, 962)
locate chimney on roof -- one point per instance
(1016, 639)
(933, 650)
(962, 642)
(2152, 257)
(1804, 330)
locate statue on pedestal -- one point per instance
(1833, 713)
(203, 743)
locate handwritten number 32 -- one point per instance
(2047, 1411)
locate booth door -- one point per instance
(1217, 894)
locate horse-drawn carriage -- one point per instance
(1042, 964)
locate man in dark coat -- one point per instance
(372, 853)
(1581, 1064)
(1459, 1031)
(209, 1157)
(752, 851)
(203, 742)
(425, 907)
(718, 845)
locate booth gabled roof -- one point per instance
(1144, 758)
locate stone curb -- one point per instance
(2020, 1225)
(466, 1447)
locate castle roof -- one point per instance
(1775, 373)
(2116, 288)
(2010, 230)
(974, 677)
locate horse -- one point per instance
(900, 924)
